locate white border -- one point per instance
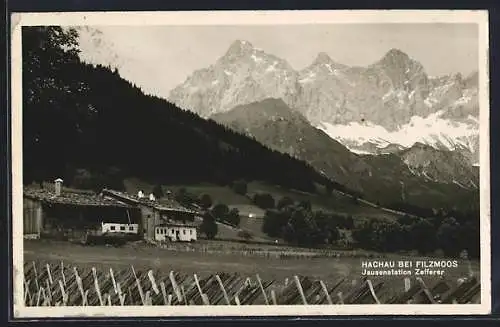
(248, 18)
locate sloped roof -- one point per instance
(177, 224)
(164, 205)
(69, 198)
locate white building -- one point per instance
(120, 228)
(176, 231)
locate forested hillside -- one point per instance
(85, 123)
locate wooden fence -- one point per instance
(50, 284)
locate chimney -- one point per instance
(58, 184)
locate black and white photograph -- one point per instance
(250, 163)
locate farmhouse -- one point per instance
(165, 220)
(71, 215)
(176, 231)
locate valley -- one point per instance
(248, 120)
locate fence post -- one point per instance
(50, 275)
(113, 279)
(26, 290)
(96, 285)
(197, 282)
(80, 285)
(169, 299)
(341, 297)
(175, 286)
(139, 287)
(121, 295)
(205, 299)
(299, 288)
(39, 296)
(147, 300)
(184, 295)
(425, 290)
(63, 292)
(153, 282)
(36, 275)
(407, 284)
(62, 274)
(325, 290)
(372, 291)
(163, 292)
(226, 297)
(85, 295)
(262, 289)
(49, 294)
(273, 297)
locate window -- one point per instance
(190, 232)
(183, 232)
(122, 227)
(112, 227)
(131, 228)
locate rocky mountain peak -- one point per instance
(472, 80)
(394, 57)
(238, 49)
(268, 108)
(392, 94)
(322, 58)
(421, 146)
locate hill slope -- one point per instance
(420, 169)
(274, 124)
(80, 118)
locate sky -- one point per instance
(158, 58)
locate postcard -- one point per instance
(251, 163)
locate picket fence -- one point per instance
(51, 284)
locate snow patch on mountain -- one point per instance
(432, 130)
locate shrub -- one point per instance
(158, 191)
(233, 217)
(284, 202)
(264, 200)
(205, 201)
(240, 187)
(220, 211)
(246, 235)
(209, 226)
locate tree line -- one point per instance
(297, 223)
(426, 236)
(85, 123)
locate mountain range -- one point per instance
(388, 130)
(392, 102)
(419, 168)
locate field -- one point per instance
(212, 257)
(335, 203)
(213, 273)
